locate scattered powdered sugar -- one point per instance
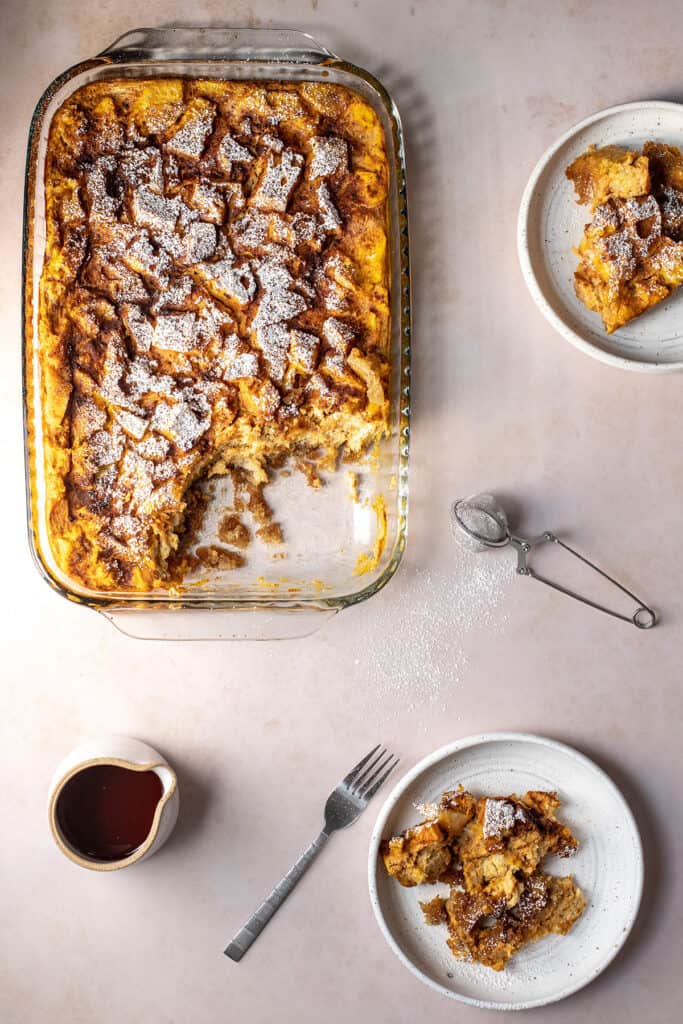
(278, 181)
(605, 216)
(101, 204)
(235, 282)
(110, 387)
(669, 257)
(175, 332)
(641, 208)
(154, 447)
(177, 294)
(620, 251)
(428, 811)
(277, 305)
(250, 230)
(105, 448)
(142, 379)
(303, 350)
(231, 150)
(671, 202)
(207, 200)
(317, 385)
(185, 420)
(333, 363)
(140, 257)
(335, 299)
(637, 225)
(153, 210)
(273, 274)
(138, 166)
(244, 365)
(272, 142)
(134, 425)
(190, 138)
(127, 529)
(338, 334)
(138, 327)
(515, 979)
(329, 155)
(199, 242)
(273, 340)
(166, 255)
(126, 285)
(500, 817)
(135, 482)
(304, 228)
(415, 644)
(330, 219)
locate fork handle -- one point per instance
(260, 918)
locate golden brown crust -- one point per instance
(490, 851)
(489, 932)
(214, 296)
(631, 253)
(599, 174)
(425, 853)
(420, 855)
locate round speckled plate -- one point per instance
(551, 224)
(608, 867)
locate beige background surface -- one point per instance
(452, 646)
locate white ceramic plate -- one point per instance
(551, 223)
(608, 867)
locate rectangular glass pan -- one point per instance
(326, 531)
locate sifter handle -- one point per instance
(643, 617)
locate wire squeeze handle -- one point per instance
(250, 931)
(643, 617)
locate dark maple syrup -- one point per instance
(106, 811)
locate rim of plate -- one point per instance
(447, 751)
(526, 264)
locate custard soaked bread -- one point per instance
(214, 299)
(631, 253)
(490, 850)
(426, 853)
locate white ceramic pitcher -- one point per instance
(123, 752)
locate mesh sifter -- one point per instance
(480, 522)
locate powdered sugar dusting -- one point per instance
(231, 150)
(329, 155)
(184, 232)
(437, 610)
(190, 137)
(330, 219)
(428, 811)
(671, 202)
(278, 181)
(500, 817)
(273, 340)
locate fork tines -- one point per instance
(370, 773)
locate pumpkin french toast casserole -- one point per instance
(631, 253)
(489, 850)
(214, 299)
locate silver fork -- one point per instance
(344, 805)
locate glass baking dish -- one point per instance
(326, 531)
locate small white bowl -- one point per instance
(608, 867)
(124, 752)
(551, 223)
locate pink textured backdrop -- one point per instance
(450, 647)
